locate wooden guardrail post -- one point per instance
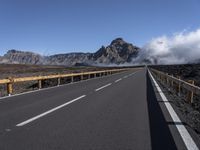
(72, 78)
(161, 78)
(58, 82)
(100, 74)
(10, 87)
(158, 76)
(167, 80)
(172, 83)
(39, 84)
(82, 77)
(190, 93)
(179, 86)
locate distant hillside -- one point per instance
(21, 57)
(118, 52)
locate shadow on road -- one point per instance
(161, 138)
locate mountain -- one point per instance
(118, 52)
(21, 57)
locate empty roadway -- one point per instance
(119, 112)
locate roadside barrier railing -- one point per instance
(175, 83)
(93, 74)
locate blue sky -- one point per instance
(61, 26)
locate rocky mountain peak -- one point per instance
(118, 52)
(118, 41)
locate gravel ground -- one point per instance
(16, 70)
(189, 112)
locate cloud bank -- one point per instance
(180, 48)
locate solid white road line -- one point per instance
(103, 87)
(118, 80)
(190, 144)
(48, 112)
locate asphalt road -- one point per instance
(117, 112)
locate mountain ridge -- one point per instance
(118, 52)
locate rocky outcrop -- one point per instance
(118, 52)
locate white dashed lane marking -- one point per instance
(103, 87)
(49, 111)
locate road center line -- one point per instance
(49, 111)
(125, 77)
(190, 144)
(118, 80)
(103, 87)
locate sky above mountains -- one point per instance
(49, 27)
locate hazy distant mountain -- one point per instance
(118, 52)
(69, 59)
(21, 57)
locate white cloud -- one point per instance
(180, 48)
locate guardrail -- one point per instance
(10, 81)
(177, 83)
